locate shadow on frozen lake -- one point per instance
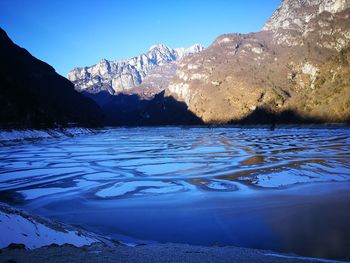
(285, 190)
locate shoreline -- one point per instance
(56, 242)
(14, 135)
(149, 253)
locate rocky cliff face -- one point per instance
(297, 68)
(154, 68)
(295, 14)
(32, 94)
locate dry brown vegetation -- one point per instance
(305, 71)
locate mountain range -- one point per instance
(296, 69)
(156, 68)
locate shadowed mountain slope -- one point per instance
(133, 110)
(32, 94)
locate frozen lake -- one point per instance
(285, 190)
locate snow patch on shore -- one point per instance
(15, 135)
(21, 228)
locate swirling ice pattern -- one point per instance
(124, 163)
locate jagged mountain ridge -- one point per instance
(295, 14)
(155, 68)
(300, 68)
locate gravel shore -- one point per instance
(146, 253)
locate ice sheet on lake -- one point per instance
(121, 189)
(222, 186)
(80, 185)
(39, 192)
(104, 177)
(141, 161)
(163, 168)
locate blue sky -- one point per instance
(70, 33)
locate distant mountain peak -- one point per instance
(124, 75)
(158, 46)
(103, 60)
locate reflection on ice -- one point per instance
(291, 177)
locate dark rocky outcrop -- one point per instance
(32, 94)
